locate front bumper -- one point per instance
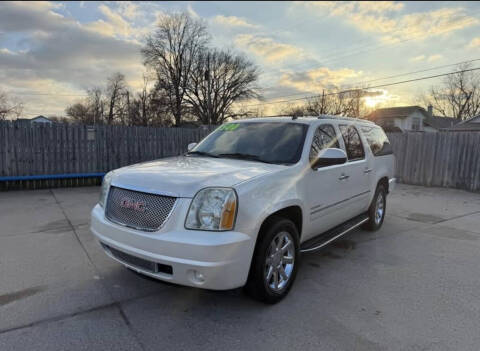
(210, 260)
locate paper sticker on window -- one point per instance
(229, 127)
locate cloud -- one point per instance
(115, 25)
(6, 51)
(418, 58)
(267, 48)
(128, 9)
(433, 58)
(233, 21)
(376, 17)
(430, 58)
(192, 12)
(475, 43)
(59, 55)
(317, 79)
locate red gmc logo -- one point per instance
(133, 205)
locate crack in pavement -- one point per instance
(116, 304)
(90, 260)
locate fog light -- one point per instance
(196, 277)
(199, 277)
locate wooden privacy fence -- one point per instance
(61, 149)
(444, 159)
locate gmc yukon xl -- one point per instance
(240, 208)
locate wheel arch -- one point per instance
(383, 181)
(293, 213)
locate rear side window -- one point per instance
(324, 138)
(353, 143)
(377, 140)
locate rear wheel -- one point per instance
(275, 262)
(376, 211)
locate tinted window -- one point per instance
(323, 138)
(353, 143)
(272, 142)
(377, 140)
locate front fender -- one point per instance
(261, 197)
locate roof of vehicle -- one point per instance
(305, 120)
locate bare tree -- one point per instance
(171, 51)
(60, 119)
(115, 91)
(218, 80)
(143, 104)
(331, 102)
(294, 110)
(89, 111)
(458, 96)
(79, 112)
(9, 107)
(96, 106)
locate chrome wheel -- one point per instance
(379, 208)
(279, 262)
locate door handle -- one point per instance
(343, 177)
(368, 170)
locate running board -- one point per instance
(326, 238)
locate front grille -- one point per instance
(138, 262)
(142, 211)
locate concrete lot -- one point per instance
(413, 285)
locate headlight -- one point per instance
(212, 209)
(107, 179)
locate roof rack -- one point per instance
(352, 119)
(345, 118)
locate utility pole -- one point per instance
(357, 107)
(209, 100)
(128, 108)
(323, 102)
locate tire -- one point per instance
(267, 282)
(377, 209)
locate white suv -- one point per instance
(240, 207)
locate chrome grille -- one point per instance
(142, 211)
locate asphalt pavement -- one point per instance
(413, 285)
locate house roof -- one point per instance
(468, 125)
(40, 117)
(30, 120)
(440, 122)
(405, 111)
(395, 112)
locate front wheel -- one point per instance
(275, 262)
(376, 211)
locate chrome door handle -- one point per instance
(343, 177)
(368, 170)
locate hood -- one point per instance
(184, 176)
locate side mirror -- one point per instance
(191, 146)
(330, 157)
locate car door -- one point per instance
(325, 190)
(357, 172)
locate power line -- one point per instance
(374, 87)
(389, 77)
(336, 57)
(45, 94)
(296, 94)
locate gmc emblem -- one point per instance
(139, 206)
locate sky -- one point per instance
(51, 52)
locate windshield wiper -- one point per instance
(242, 156)
(201, 153)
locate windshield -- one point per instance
(270, 142)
